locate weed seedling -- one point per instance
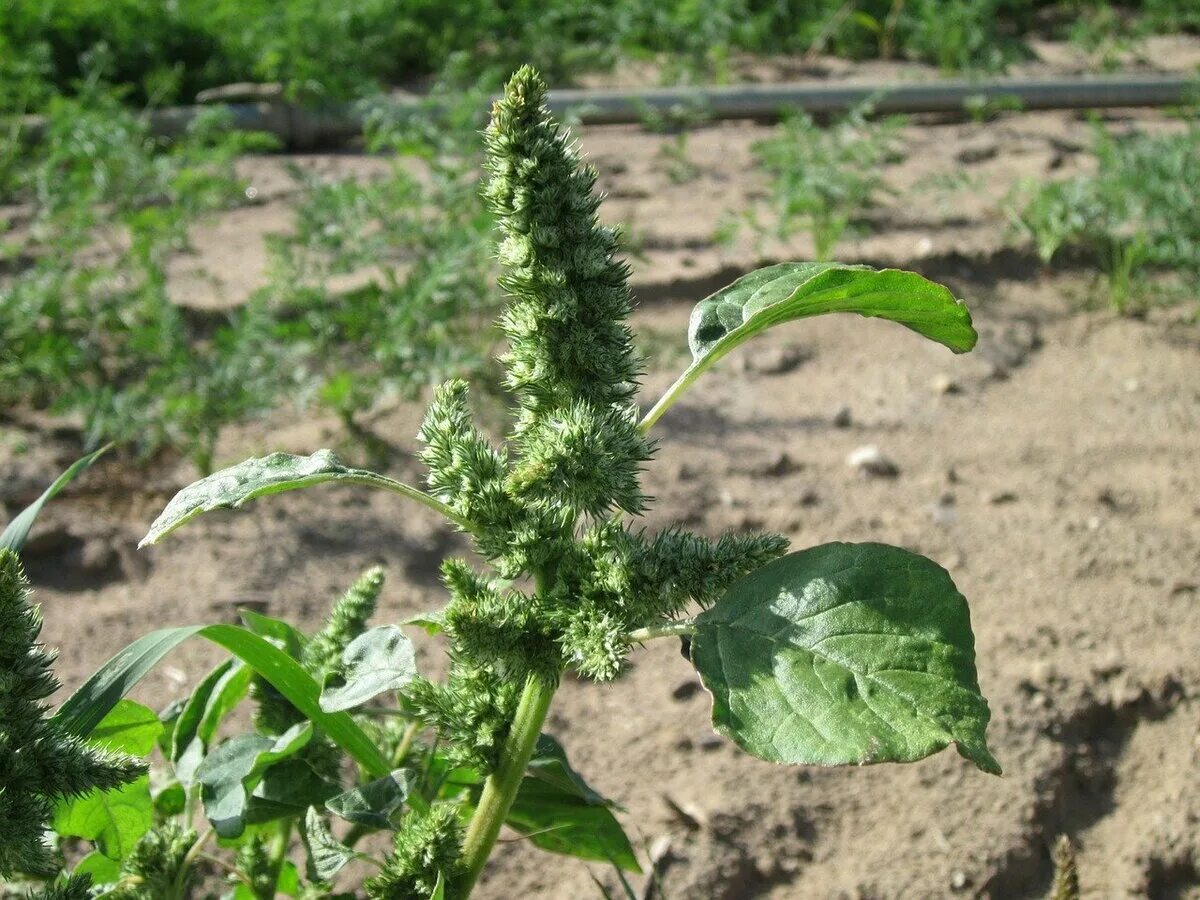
(823, 179)
(839, 654)
(1130, 216)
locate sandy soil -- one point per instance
(1053, 471)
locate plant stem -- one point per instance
(181, 877)
(667, 400)
(279, 849)
(405, 745)
(670, 629)
(500, 789)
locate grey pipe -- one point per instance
(766, 101)
(304, 128)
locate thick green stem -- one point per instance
(500, 789)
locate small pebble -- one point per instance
(944, 512)
(710, 740)
(776, 360)
(996, 498)
(944, 384)
(781, 464)
(842, 418)
(809, 497)
(870, 461)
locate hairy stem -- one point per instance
(669, 629)
(500, 789)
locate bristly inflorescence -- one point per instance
(321, 657)
(157, 866)
(39, 762)
(547, 508)
(428, 848)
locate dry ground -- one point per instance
(1053, 471)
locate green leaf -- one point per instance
(114, 820)
(844, 654)
(13, 537)
(170, 800)
(560, 813)
(288, 636)
(789, 291)
(100, 868)
(432, 623)
(231, 488)
(439, 888)
(233, 769)
(286, 790)
(373, 804)
(549, 764)
(212, 700)
(326, 854)
(84, 709)
(379, 660)
(128, 728)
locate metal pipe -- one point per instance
(766, 101)
(303, 128)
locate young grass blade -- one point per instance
(84, 709)
(789, 291)
(844, 654)
(231, 488)
(17, 531)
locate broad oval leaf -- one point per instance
(99, 868)
(232, 770)
(286, 790)
(798, 290)
(231, 488)
(378, 660)
(114, 820)
(373, 804)
(844, 654)
(128, 728)
(326, 854)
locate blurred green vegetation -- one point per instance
(1135, 216)
(167, 51)
(382, 285)
(97, 208)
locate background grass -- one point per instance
(94, 211)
